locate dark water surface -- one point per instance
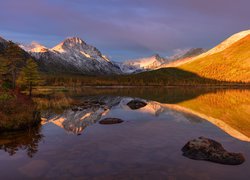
(147, 145)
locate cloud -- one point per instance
(128, 27)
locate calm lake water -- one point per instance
(147, 145)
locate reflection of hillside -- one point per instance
(15, 141)
(170, 95)
(229, 110)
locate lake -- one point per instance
(71, 143)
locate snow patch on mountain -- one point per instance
(34, 47)
(225, 44)
(142, 64)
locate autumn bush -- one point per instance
(17, 111)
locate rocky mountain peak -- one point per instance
(70, 43)
(73, 41)
(156, 56)
(75, 44)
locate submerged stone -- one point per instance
(210, 150)
(136, 104)
(111, 121)
(76, 108)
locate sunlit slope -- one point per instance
(231, 64)
(232, 107)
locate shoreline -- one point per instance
(146, 86)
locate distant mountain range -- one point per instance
(75, 56)
(228, 61)
(143, 64)
(155, 61)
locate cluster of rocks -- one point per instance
(89, 105)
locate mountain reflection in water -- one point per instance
(227, 109)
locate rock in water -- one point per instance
(136, 104)
(210, 150)
(111, 121)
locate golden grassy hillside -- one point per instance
(232, 64)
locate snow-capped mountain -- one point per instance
(143, 64)
(72, 55)
(155, 61)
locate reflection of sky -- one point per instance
(125, 28)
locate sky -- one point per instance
(125, 29)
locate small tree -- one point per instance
(15, 59)
(5, 78)
(29, 76)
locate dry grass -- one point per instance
(232, 64)
(56, 102)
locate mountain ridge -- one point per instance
(228, 61)
(216, 49)
(231, 64)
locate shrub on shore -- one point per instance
(17, 111)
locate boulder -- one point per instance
(210, 150)
(136, 104)
(110, 121)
